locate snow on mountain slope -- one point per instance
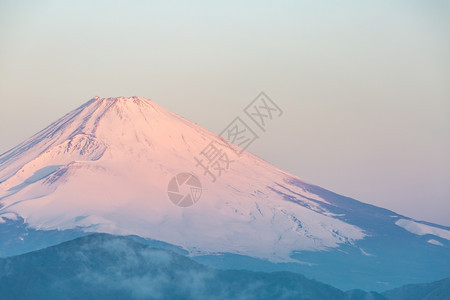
(105, 167)
(422, 229)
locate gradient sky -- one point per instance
(365, 85)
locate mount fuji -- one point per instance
(105, 167)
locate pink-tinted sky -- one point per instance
(364, 84)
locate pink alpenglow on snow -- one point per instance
(105, 167)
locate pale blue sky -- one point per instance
(364, 84)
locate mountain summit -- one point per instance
(106, 166)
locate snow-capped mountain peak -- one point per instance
(105, 167)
